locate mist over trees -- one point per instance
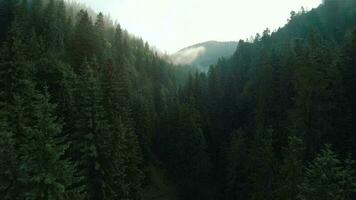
(88, 111)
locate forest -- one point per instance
(88, 111)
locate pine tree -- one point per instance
(8, 159)
(328, 178)
(184, 149)
(7, 12)
(99, 28)
(291, 170)
(345, 139)
(236, 169)
(124, 169)
(91, 137)
(54, 27)
(107, 151)
(263, 166)
(40, 170)
(44, 172)
(316, 77)
(82, 44)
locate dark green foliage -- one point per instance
(82, 46)
(31, 136)
(99, 28)
(127, 176)
(86, 146)
(88, 111)
(236, 168)
(291, 170)
(263, 167)
(44, 174)
(91, 134)
(7, 9)
(297, 81)
(54, 27)
(183, 148)
(316, 78)
(8, 159)
(327, 177)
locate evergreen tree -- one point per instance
(185, 153)
(82, 44)
(316, 77)
(44, 174)
(7, 9)
(54, 27)
(8, 160)
(80, 99)
(291, 170)
(91, 137)
(345, 139)
(99, 28)
(236, 170)
(328, 177)
(124, 160)
(126, 171)
(263, 166)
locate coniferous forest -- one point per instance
(88, 111)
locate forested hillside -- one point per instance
(88, 111)
(265, 115)
(79, 102)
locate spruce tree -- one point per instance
(91, 134)
(263, 166)
(236, 184)
(8, 159)
(99, 28)
(124, 167)
(82, 43)
(44, 173)
(7, 10)
(328, 178)
(291, 170)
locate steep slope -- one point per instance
(88, 111)
(273, 106)
(88, 92)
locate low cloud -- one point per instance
(187, 56)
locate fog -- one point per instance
(171, 25)
(187, 56)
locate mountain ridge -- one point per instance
(203, 55)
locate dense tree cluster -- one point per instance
(268, 111)
(78, 97)
(88, 111)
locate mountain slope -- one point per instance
(273, 106)
(204, 54)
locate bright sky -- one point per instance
(171, 25)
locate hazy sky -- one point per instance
(171, 25)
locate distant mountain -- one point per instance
(204, 54)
